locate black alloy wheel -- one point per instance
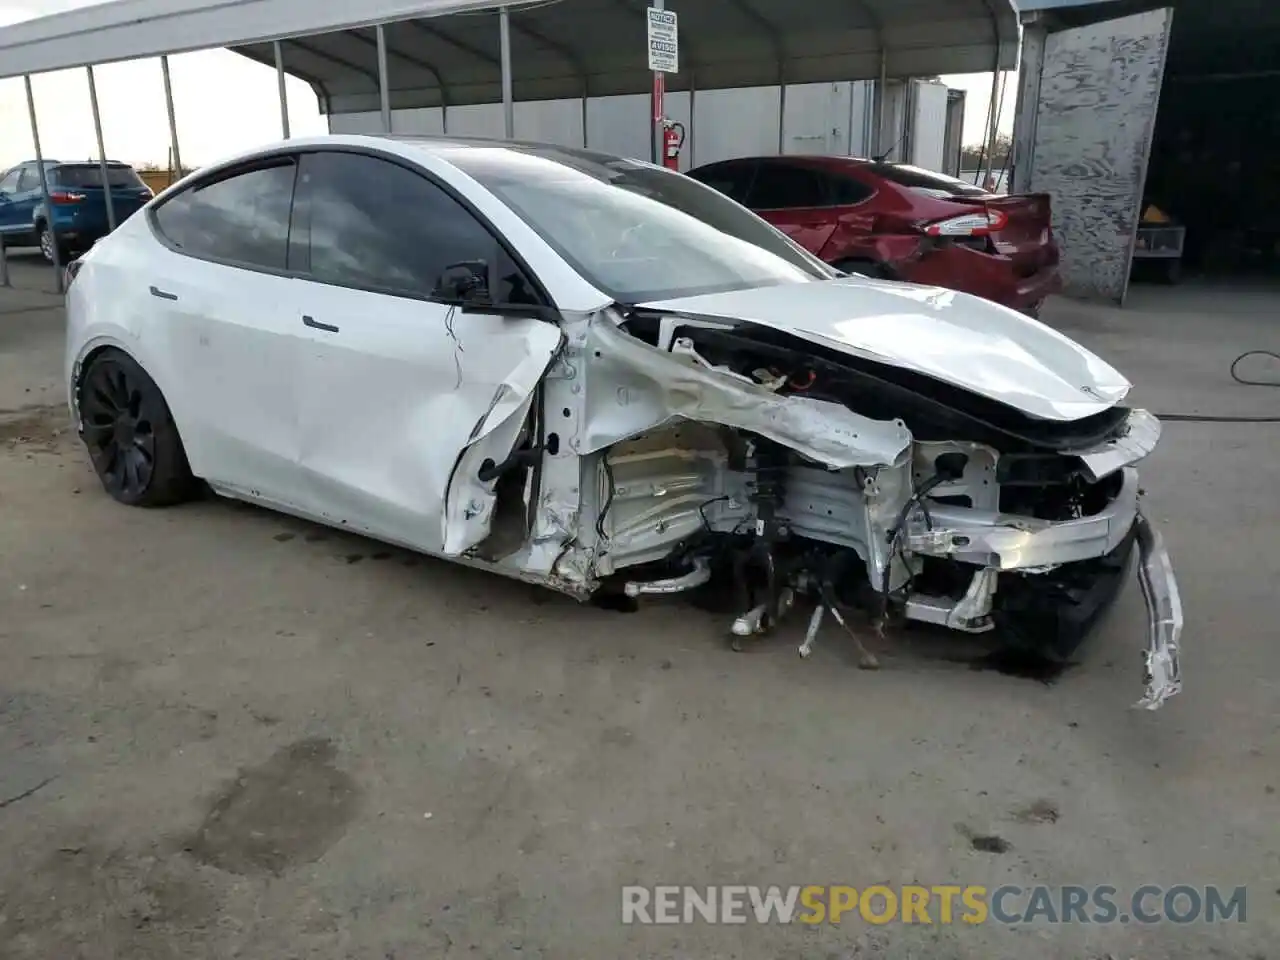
(130, 434)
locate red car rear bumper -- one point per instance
(1020, 282)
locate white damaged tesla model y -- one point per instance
(597, 375)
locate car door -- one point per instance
(221, 278)
(794, 199)
(404, 395)
(28, 197)
(9, 222)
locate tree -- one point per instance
(974, 156)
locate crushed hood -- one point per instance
(954, 337)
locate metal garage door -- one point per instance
(1099, 90)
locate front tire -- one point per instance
(130, 434)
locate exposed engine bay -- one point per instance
(804, 476)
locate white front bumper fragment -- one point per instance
(1164, 617)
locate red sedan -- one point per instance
(901, 222)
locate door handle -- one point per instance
(163, 295)
(315, 324)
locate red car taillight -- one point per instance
(977, 224)
(63, 196)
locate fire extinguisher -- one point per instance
(672, 141)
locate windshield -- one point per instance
(90, 175)
(635, 231)
(918, 178)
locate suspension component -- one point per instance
(760, 582)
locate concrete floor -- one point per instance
(250, 737)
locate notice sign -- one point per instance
(664, 42)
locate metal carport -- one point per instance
(449, 52)
(393, 54)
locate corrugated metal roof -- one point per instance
(446, 51)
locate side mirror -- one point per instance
(466, 282)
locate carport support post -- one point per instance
(173, 120)
(693, 107)
(284, 96)
(782, 113)
(508, 97)
(102, 150)
(658, 127)
(44, 185)
(384, 83)
(881, 85)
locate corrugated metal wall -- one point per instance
(825, 118)
(1099, 91)
(929, 126)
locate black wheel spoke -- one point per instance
(120, 382)
(143, 466)
(111, 463)
(100, 393)
(130, 458)
(98, 435)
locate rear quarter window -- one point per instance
(242, 218)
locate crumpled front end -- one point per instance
(800, 476)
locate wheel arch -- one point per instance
(94, 348)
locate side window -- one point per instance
(29, 179)
(243, 218)
(779, 186)
(9, 182)
(376, 224)
(845, 191)
(732, 179)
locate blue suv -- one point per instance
(78, 200)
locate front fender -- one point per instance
(633, 387)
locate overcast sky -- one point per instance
(224, 103)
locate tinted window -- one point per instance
(846, 191)
(918, 178)
(377, 224)
(779, 186)
(244, 218)
(90, 175)
(635, 231)
(731, 179)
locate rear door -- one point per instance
(222, 281)
(9, 220)
(403, 395)
(795, 199)
(1099, 91)
(26, 198)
